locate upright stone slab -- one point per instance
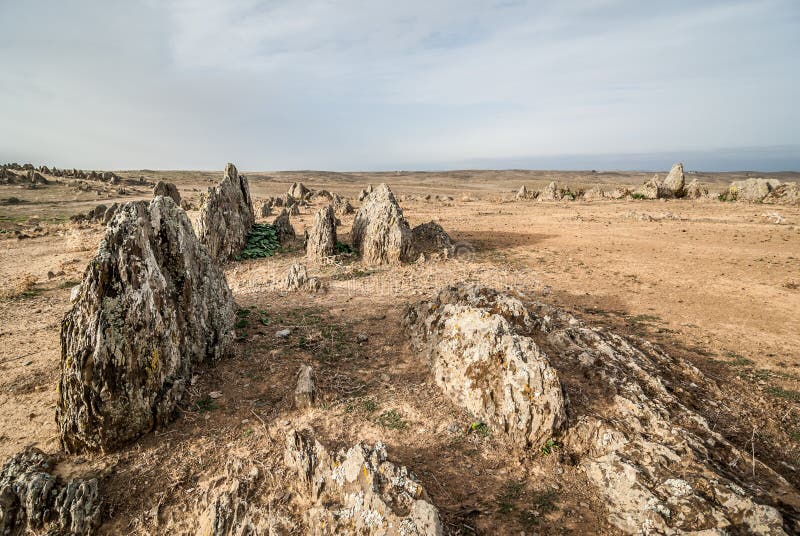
(675, 181)
(226, 216)
(321, 241)
(283, 227)
(380, 232)
(151, 306)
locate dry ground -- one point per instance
(716, 283)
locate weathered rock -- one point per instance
(321, 240)
(33, 500)
(111, 212)
(322, 194)
(341, 205)
(752, 190)
(381, 234)
(98, 213)
(651, 189)
(358, 491)
(305, 393)
(34, 177)
(431, 238)
(694, 190)
(297, 279)
(283, 227)
(656, 463)
(619, 193)
(593, 194)
(151, 306)
(482, 362)
(522, 193)
(787, 193)
(168, 189)
(675, 181)
(362, 195)
(293, 209)
(226, 216)
(551, 193)
(298, 190)
(266, 209)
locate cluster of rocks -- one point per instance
(226, 216)
(656, 463)
(673, 186)
(30, 178)
(297, 278)
(758, 190)
(105, 176)
(99, 214)
(357, 490)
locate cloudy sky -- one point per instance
(373, 84)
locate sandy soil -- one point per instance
(717, 283)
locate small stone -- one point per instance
(215, 394)
(283, 334)
(305, 393)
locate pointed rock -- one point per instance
(675, 181)
(168, 189)
(381, 234)
(283, 227)
(151, 306)
(226, 216)
(305, 393)
(321, 241)
(298, 190)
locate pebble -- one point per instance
(284, 333)
(215, 394)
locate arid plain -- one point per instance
(715, 283)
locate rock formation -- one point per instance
(362, 195)
(431, 238)
(341, 205)
(297, 279)
(381, 234)
(694, 190)
(33, 500)
(551, 193)
(522, 193)
(283, 227)
(483, 363)
(266, 209)
(226, 216)
(786, 193)
(675, 181)
(298, 190)
(305, 393)
(151, 306)
(321, 239)
(753, 190)
(168, 189)
(358, 491)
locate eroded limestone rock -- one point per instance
(298, 190)
(321, 239)
(168, 189)
(341, 205)
(551, 193)
(752, 190)
(283, 227)
(694, 190)
(151, 306)
(522, 193)
(431, 238)
(226, 216)
(305, 393)
(381, 234)
(675, 181)
(33, 500)
(358, 491)
(297, 279)
(483, 363)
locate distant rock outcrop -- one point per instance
(381, 234)
(694, 190)
(34, 500)
(151, 306)
(752, 190)
(298, 190)
(551, 193)
(787, 193)
(226, 216)
(482, 363)
(358, 491)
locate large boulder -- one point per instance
(321, 239)
(483, 363)
(551, 192)
(753, 190)
(152, 305)
(381, 234)
(226, 216)
(431, 238)
(357, 491)
(298, 191)
(168, 189)
(283, 227)
(694, 190)
(34, 500)
(675, 181)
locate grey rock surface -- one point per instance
(226, 216)
(151, 306)
(321, 239)
(283, 227)
(381, 234)
(168, 189)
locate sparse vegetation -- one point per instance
(392, 420)
(205, 404)
(262, 241)
(786, 394)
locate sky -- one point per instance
(412, 84)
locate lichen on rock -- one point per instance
(152, 305)
(226, 216)
(381, 234)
